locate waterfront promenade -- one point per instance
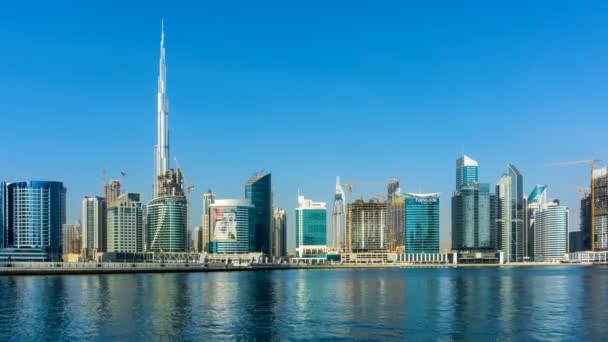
(59, 268)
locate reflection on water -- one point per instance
(392, 304)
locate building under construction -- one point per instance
(600, 217)
(369, 229)
(395, 213)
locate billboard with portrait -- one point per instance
(224, 224)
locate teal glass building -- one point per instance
(166, 224)
(467, 171)
(311, 224)
(258, 190)
(422, 223)
(473, 220)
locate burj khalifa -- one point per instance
(162, 146)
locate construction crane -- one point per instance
(592, 162)
(350, 208)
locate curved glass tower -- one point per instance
(167, 224)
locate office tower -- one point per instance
(233, 225)
(112, 190)
(422, 223)
(311, 226)
(551, 232)
(33, 215)
(536, 199)
(473, 225)
(258, 191)
(338, 222)
(208, 199)
(368, 224)
(125, 224)
(510, 198)
(71, 239)
(166, 213)
(94, 226)
(279, 232)
(395, 212)
(198, 239)
(585, 222)
(466, 171)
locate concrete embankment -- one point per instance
(116, 268)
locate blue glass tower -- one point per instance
(311, 224)
(422, 223)
(33, 215)
(466, 171)
(258, 191)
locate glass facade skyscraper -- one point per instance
(232, 226)
(473, 225)
(94, 226)
(33, 214)
(510, 198)
(311, 224)
(551, 232)
(422, 223)
(167, 224)
(258, 191)
(466, 171)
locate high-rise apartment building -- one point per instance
(510, 199)
(279, 232)
(258, 191)
(125, 224)
(94, 226)
(369, 230)
(422, 223)
(466, 171)
(33, 214)
(311, 226)
(208, 199)
(233, 225)
(198, 239)
(551, 232)
(338, 222)
(395, 213)
(71, 239)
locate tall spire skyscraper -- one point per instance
(162, 146)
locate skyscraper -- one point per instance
(279, 232)
(466, 171)
(510, 198)
(338, 222)
(395, 212)
(536, 199)
(233, 224)
(208, 200)
(162, 146)
(125, 224)
(258, 191)
(369, 231)
(198, 239)
(473, 225)
(167, 212)
(94, 226)
(551, 232)
(422, 223)
(311, 226)
(33, 215)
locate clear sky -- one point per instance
(307, 90)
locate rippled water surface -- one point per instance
(551, 303)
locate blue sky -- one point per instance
(366, 90)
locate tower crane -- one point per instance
(592, 190)
(350, 207)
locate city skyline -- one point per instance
(420, 165)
